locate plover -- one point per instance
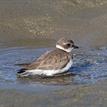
(52, 62)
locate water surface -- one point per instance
(89, 67)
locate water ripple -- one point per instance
(89, 66)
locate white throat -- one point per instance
(67, 50)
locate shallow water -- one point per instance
(39, 23)
(90, 66)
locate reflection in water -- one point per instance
(60, 79)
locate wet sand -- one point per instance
(83, 21)
(76, 96)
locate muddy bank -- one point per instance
(82, 96)
(84, 21)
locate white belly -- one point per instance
(50, 72)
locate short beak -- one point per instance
(75, 47)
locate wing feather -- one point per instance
(50, 60)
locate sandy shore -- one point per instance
(77, 96)
(83, 21)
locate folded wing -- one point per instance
(50, 60)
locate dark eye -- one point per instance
(68, 45)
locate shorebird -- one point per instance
(51, 62)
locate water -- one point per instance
(90, 66)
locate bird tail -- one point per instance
(23, 73)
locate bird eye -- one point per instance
(68, 45)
